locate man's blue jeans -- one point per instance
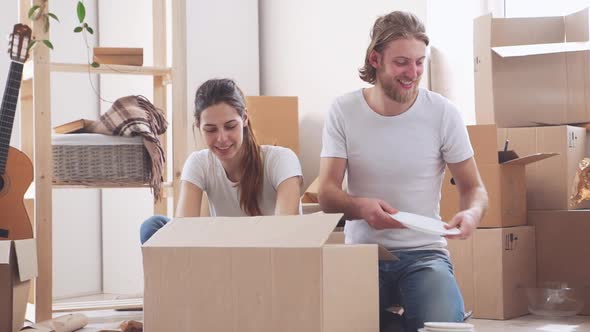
(422, 282)
(151, 226)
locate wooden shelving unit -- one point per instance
(36, 134)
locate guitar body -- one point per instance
(16, 170)
(14, 220)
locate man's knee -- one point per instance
(151, 226)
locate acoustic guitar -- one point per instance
(16, 170)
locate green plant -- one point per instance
(84, 27)
(41, 12)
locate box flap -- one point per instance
(529, 159)
(527, 30)
(299, 231)
(5, 252)
(26, 257)
(577, 26)
(538, 49)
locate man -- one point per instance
(394, 140)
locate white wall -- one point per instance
(222, 41)
(123, 210)
(313, 49)
(76, 215)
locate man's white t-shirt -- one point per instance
(204, 169)
(399, 159)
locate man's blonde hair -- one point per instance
(393, 26)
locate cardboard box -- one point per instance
(549, 182)
(275, 120)
(531, 71)
(270, 273)
(18, 266)
(494, 269)
(504, 180)
(563, 250)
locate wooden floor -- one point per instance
(110, 319)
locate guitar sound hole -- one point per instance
(1, 183)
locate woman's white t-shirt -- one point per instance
(203, 169)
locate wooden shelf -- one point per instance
(98, 305)
(36, 136)
(103, 69)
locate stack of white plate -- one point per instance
(446, 327)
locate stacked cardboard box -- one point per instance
(532, 83)
(494, 267)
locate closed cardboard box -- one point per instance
(258, 274)
(275, 120)
(532, 71)
(504, 180)
(18, 266)
(549, 182)
(494, 269)
(563, 250)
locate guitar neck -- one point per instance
(8, 109)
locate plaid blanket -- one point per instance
(133, 116)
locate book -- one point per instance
(118, 55)
(118, 51)
(72, 126)
(129, 60)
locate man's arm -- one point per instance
(333, 199)
(473, 198)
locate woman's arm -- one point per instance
(189, 201)
(288, 195)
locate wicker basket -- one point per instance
(101, 165)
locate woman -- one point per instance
(240, 177)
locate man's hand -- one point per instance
(466, 221)
(376, 213)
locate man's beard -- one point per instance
(400, 95)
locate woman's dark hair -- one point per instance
(216, 91)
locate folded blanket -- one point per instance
(133, 116)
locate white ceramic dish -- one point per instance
(447, 327)
(423, 224)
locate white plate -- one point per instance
(442, 326)
(424, 224)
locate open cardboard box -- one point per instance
(268, 273)
(549, 183)
(503, 174)
(531, 71)
(18, 266)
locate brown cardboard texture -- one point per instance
(18, 265)
(550, 182)
(563, 250)
(504, 181)
(531, 71)
(268, 273)
(494, 269)
(275, 120)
